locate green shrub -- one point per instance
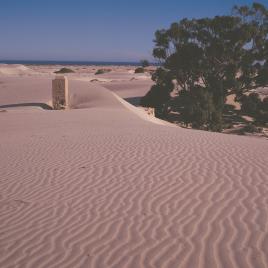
(252, 105)
(250, 128)
(64, 71)
(102, 71)
(145, 63)
(139, 70)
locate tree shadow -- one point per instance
(134, 100)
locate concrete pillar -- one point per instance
(60, 93)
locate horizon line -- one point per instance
(74, 62)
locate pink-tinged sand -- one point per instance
(102, 187)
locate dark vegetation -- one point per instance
(253, 106)
(250, 128)
(102, 71)
(142, 69)
(139, 70)
(64, 71)
(205, 60)
(145, 63)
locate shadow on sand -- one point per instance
(133, 100)
(33, 104)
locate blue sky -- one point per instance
(98, 30)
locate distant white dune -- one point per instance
(15, 69)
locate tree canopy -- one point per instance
(209, 58)
(144, 63)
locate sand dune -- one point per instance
(15, 69)
(24, 89)
(101, 187)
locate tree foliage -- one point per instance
(197, 108)
(216, 56)
(145, 63)
(253, 106)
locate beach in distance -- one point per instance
(105, 184)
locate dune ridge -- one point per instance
(100, 187)
(15, 69)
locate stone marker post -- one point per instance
(60, 93)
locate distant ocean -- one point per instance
(100, 63)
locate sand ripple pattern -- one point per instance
(103, 188)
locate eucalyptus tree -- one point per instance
(209, 58)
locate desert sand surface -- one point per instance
(100, 185)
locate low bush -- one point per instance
(250, 128)
(64, 71)
(253, 105)
(139, 70)
(102, 71)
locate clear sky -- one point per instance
(93, 30)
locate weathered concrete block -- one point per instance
(60, 93)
